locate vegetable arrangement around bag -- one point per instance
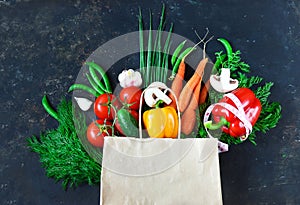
(117, 114)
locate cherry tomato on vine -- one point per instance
(131, 96)
(105, 105)
(97, 130)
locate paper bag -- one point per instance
(160, 171)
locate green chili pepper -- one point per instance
(94, 84)
(228, 48)
(184, 53)
(49, 108)
(176, 52)
(83, 87)
(102, 73)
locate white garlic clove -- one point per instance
(83, 103)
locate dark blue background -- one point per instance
(44, 43)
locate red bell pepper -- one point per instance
(229, 122)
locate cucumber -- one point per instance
(128, 123)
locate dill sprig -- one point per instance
(62, 154)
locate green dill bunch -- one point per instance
(62, 154)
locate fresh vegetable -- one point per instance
(227, 47)
(83, 87)
(204, 92)
(105, 106)
(134, 114)
(177, 84)
(161, 122)
(83, 103)
(97, 86)
(95, 67)
(154, 95)
(61, 151)
(154, 62)
(180, 58)
(130, 96)
(228, 121)
(187, 91)
(176, 52)
(130, 78)
(188, 119)
(127, 122)
(96, 82)
(94, 85)
(218, 63)
(223, 83)
(49, 108)
(97, 130)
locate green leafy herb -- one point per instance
(234, 63)
(62, 154)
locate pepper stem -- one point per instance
(214, 126)
(159, 103)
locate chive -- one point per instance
(141, 38)
(166, 55)
(149, 51)
(154, 55)
(166, 65)
(160, 28)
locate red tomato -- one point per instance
(104, 106)
(96, 132)
(134, 113)
(131, 96)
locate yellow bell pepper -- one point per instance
(161, 122)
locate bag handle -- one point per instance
(163, 86)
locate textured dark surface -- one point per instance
(43, 45)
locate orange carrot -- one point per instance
(187, 91)
(195, 98)
(204, 92)
(188, 119)
(177, 83)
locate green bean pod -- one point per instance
(102, 73)
(177, 51)
(49, 108)
(94, 84)
(83, 87)
(97, 80)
